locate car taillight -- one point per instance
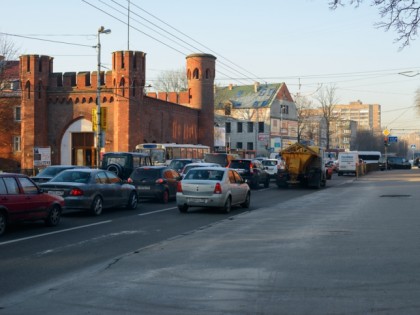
(217, 189)
(159, 181)
(179, 187)
(251, 169)
(129, 180)
(76, 192)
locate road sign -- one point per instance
(386, 132)
(392, 139)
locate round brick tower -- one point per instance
(201, 71)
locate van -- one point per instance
(347, 163)
(222, 159)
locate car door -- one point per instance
(14, 200)
(115, 185)
(103, 187)
(234, 187)
(242, 187)
(34, 200)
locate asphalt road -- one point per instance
(31, 254)
(352, 248)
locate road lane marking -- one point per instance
(162, 210)
(55, 232)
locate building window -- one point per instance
(250, 126)
(227, 127)
(284, 109)
(228, 109)
(239, 145)
(17, 113)
(239, 127)
(195, 74)
(260, 126)
(16, 143)
(250, 146)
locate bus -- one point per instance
(163, 153)
(370, 157)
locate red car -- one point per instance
(22, 200)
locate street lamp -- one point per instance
(99, 135)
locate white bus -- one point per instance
(163, 153)
(370, 157)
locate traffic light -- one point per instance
(386, 143)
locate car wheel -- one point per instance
(267, 182)
(132, 201)
(2, 223)
(247, 201)
(228, 205)
(54, 216)
(116, 169)
(183, 209)
(97, 206)
(165, 196)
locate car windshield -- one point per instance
(72, 177)
(145, 173)
(203, 174)
(50, 171)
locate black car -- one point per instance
(178, 164)
(252, 171)
(156, 182)
(398, 162)
(124, 163)
(50, 171)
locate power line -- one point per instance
(47, 40)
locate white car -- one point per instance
(216, 187)
(272, 165)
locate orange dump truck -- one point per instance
(304, 165)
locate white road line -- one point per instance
(51, 233)
(163, 210)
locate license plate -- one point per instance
(199, 200)
(143, 187)
(56, 192)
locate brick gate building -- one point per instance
(56, 108)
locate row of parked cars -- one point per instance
(197, 184)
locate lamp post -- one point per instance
(101, 30)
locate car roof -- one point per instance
(201, 164)
(4, 174)
(155, 167)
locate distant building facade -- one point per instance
(56, 110)
(259, 119)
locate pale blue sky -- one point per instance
(273, 41)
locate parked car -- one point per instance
(178, 164)
(382, 164)
(22, 200)
(92, 190)
(397, 162)
(50, 171)
(271, 166)
(124, 163)
(157, 182)
(217, 187)
(194, 165)
(252, 171)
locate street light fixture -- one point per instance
(99, 136)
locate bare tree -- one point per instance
(303, 106)
(171, 81)
(8, 52)
(327, 99)
(403, 16)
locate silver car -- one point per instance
(92, 189)
(217, 187)
(194, 165)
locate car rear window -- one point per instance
(201, 174)
(145, 173)
(269, 163)
(240, 164)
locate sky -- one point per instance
(301, 43)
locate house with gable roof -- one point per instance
(259, 119)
